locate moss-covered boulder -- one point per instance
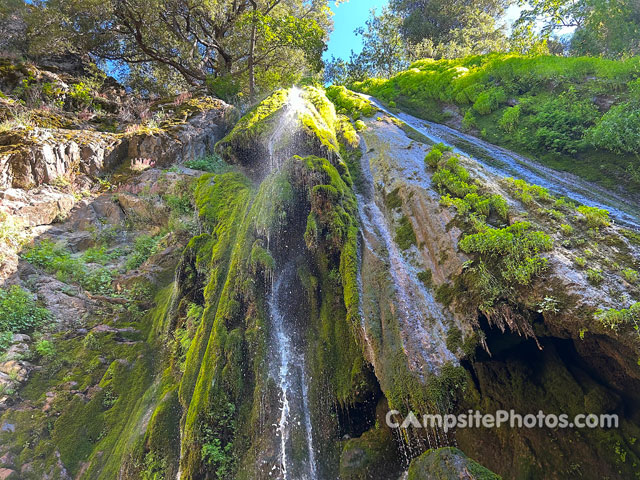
(295, 121)
(373, 456)
(448, 464)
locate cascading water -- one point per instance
(296, 459)
(414, 302)
(506, 163)
(278, 145)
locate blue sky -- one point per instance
(349, 16)
(353, 14)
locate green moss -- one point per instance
(426, 277)
(371, 456)
(350, 103)
(447, 464)
(508, 257)
(405, 235)
(393, 200)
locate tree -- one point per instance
(247, 40)
(600, 27)
(611, 28)
(340, 72)
(469, 25)
(384, 51)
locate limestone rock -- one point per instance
(448, 464)
(372, 456)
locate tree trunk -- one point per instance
(252, 48)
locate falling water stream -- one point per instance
(296, 462)
(507, 163)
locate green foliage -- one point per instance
(595, 217)
(100, 255)
(432, 158)
(469, 120)
(80, 93)
(58, 260)
(567, 230)
(560, 123)
(630, 275)
(615, 319)
(224, 87)
(489, 101)
(209, 163)
(350, 103)
(143, 247)
(526, 192)
(45, 349)
(618, 130)
(510, 119)
(508, 257)
(594, 276)
(19, 312)
(451, 177)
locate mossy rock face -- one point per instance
(373, 456)
(300, 121)
(448, 464)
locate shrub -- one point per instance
(630, 275)
(432, 158)
(489, 101)
(45, 348)
(510, 119)
(19, 312)
(567, 230)
(513, 251)
(209, 163)
(561, 122)
(360, 126)
(526, 192)
(81, 94)
(618, 130)
(595, 217)
(144, 247)
(580, 261)
(97, 281)
(469, 120)
(595, 276)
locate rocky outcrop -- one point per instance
(448, 464)
(193, 139)
(29, 158)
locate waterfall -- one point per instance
(276, 146)
(503, 162)
(296, 462)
